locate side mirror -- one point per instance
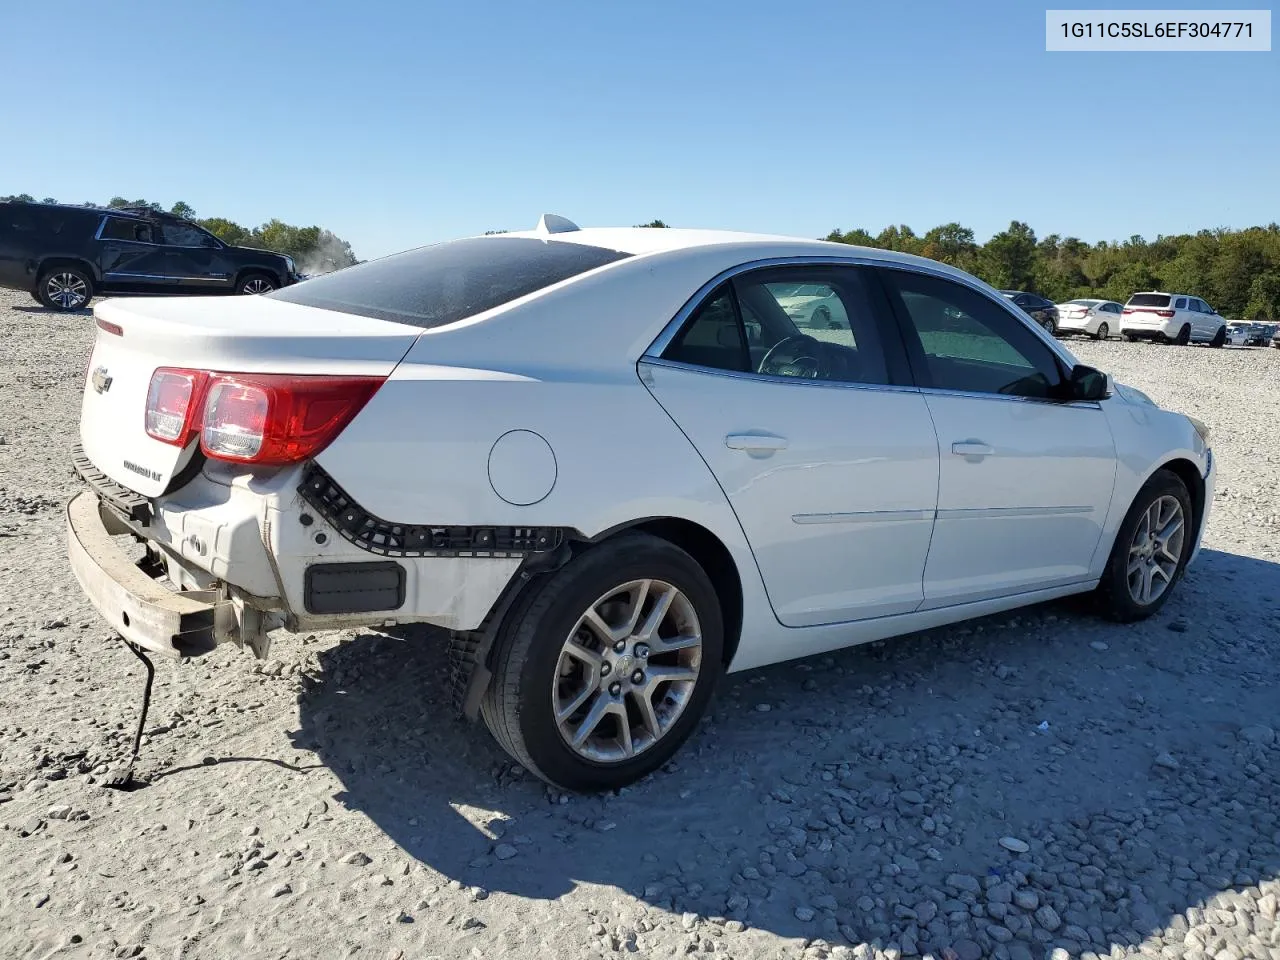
(1088, 383)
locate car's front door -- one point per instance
(1025, 480)
(824, 449)
(195, 259)
(129, 254)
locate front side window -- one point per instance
(447, 282)
(809, 323)
(134, 231)
(185, 235)
(965, 342)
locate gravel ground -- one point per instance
(1034, 785)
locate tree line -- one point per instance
(314, 249)
(1235, 271)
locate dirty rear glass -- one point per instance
(440, 284)
(1149, 300)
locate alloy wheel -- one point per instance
(67, 290)
(627, 671)
(1156, 550)
(256, 285)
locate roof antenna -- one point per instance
(550, 223)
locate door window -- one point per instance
(134, 231)
(712, 337)
(809, 323)
(185, 235)
(962, 341)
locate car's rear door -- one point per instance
(129, 254)
(824, 449)
(1025, 479)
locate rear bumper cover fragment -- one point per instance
(420, 540)
(138, 607)
(125, 502)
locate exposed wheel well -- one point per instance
(714, 557)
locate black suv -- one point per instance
(65, 255)
(1042, 311)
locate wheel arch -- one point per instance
(45, 264)
(711, 554)
(1186, 471)
(243, 273)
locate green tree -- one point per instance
(1008, 259)
(950, 243)
(652, 223)
(184, 210)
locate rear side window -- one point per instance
(118, 228)
(1149, 300)
(441, 284)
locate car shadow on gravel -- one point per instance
(1028, 781)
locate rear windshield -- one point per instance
(1149, 300)
(432, 286)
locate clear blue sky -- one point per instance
(400, 123)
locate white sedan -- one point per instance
(613, 467)
(1096, 318)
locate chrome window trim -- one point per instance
(669, 332)
(647, 361)
(852, 385)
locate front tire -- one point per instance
(1103, 331)
(64, 289)
(602, 671)
(1219, 338)
(255, 284)
(1150, 551)
(1050, 326)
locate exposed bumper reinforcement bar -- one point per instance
(140, 608)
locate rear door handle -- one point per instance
(755, 441)
(972, 448)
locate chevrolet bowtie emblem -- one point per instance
(101, 380)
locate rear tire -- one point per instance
(1184, 335)
(1143, 544)
(553, 671)
(1130, 338)
(64, 288)
(1103, 331)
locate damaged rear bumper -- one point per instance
(137, 605)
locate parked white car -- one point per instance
(611, 464)
(1096, 318)
(1238, 333)
(813, 305)
(1172, 318)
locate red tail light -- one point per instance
(1164, 313)
(278, 418)
(1128, 310)
(173, 402)
(254, 418)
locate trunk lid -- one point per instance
(225, 334)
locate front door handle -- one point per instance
(972, 448)
(754, 442)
